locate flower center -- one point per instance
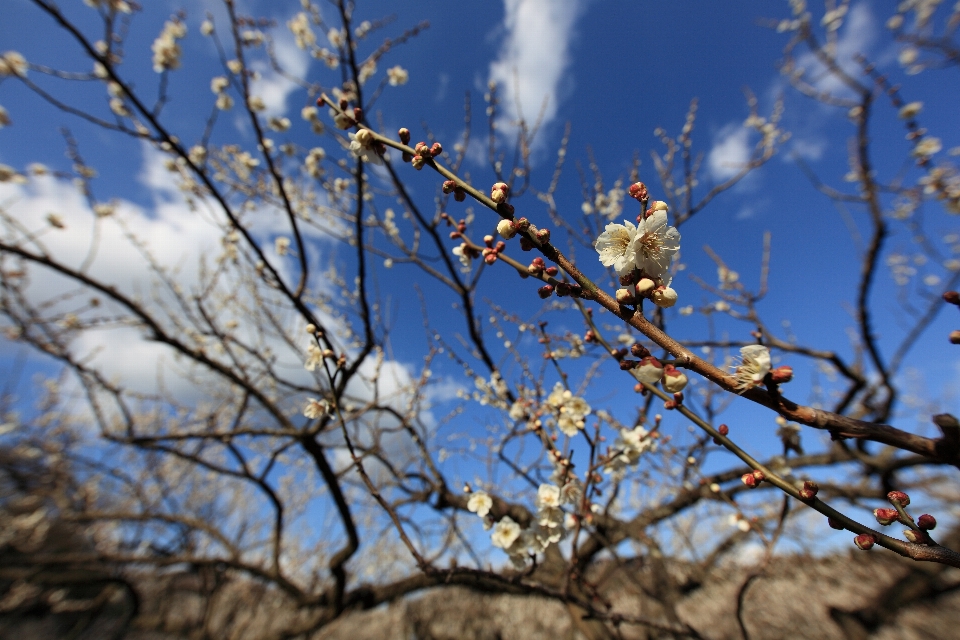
(650, 244)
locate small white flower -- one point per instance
(397, 75)
(363, 147)
(282, 245)
(548, 495)
(314, 357)
(12, 63)
(505, 533)
(927, 147)
(316, 408)
(616, 247)
(655, 244)
(910, 110)
(480, 503)
(755, 366)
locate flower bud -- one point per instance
(782, 375)
(543, 235)
(639, 350)
(449, 186)
(506, 228)
(809, 490)
(955, 337)
(917, 537)
(626, 365)
(638, 191)
(436, 149)
(625, 296)
(898, 498)
(673, 380)
(865, 541)
(723, 429)
(552, 270)
(835, 524)
(364, 137)
(311, 328)
(952, 297)
(749, 480)
(649, 371)
(759, 476)
(404, 134)
(418, 162)
(499, 191)
(927, 522)
(886, 516)
(664, 297)
(545, 291)
(645, 286)
(459, 194)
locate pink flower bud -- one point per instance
(917, 537)
(759, 476)
(886, 516)
(927, 522)
(626, 365)
(499, 191)
(723, 429)
(954, 337)
(523, 224)
(552, 270)
(638, 191)
(673, 380)
(436, 149)
(898, 498)
(545, 291)
(835, 524)
(865, 541)
(422, 149)
(357, 114)
(449, 186)
(809, 490)
(418, 162)
(781, 375)
(404, 134)
(490, 258)
(543, 235)
(749, 480)
(459, 194)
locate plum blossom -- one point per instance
(397, 76)
(480, 503)
(572, 409)
(754, 367)
(654, 245)
(363, 146)
(166, 51)
(316, 408)
(616, 247)
(505, 533)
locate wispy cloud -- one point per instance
(857, 36)
(730, 152)
(535, 56)
(273, 87)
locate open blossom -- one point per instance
(397, 76)
(755, 366)
(12, 63)
(362, 146)
(505, 533)
(316, 408)
(548, 496)
(655, 244)
(616, 247)
(480, 503)
(572, 409)
(166, 51)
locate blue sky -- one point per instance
(616, 71)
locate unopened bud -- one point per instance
(436, 149)
(673, 380)
(357, 114)
(418, 162)
(781, 375)
(552, 270)
(459, 194)
(545, 291)
(639, 350)
(749, 480)
(506, 228)
(865, 541)
(543, 235)
(449, 186)
(927, 522)
(626, 365)
(760, 476)
(645, 286)
(886, 516)
(638, 191)
(311, 328)
(955, 337)
(809, 490)
(650, 370)
(625, 296)
(404, 134)
(898, 498)
(917, 537)
(664, 297)
(723, 429)
(499, 191)
(952, 297)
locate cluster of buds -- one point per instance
(451, 186)
(538, 266)
(917, 533)
(753, 480)
(562, 289)
(461, 225)
(542, 236)
(423, 154)
(633, 290)
(491, 251)
(650, 371)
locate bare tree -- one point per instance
(281, 442)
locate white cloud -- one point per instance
(857, 35)
(731, 151)
(535, 56)
(273, 87)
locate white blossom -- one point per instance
(316, 408)
(166, 51)
(754, 367)
(616, 247)
(12, 63)
(548, 495)
(505, 533)
(480, 503)
(397, 76)
(655, 244)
